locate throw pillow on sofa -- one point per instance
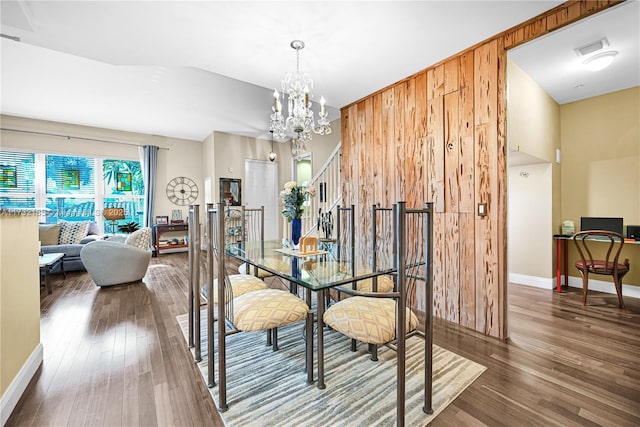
(72, 232)
(140, 239)
(48, 234)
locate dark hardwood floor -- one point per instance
(116, 357)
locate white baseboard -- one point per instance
(19, 384)
(574, 282)
(536, 282)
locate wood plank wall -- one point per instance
(440, 136)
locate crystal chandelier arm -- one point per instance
(299, 122)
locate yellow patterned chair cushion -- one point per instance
(273, 263)
(366, 319)
(267, 309)
(385, 283)
(240, 285)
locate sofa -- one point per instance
(118, 261)
(68, 237)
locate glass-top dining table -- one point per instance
(316, 272)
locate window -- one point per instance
(17, 180)
(124, 188)
(72, 188)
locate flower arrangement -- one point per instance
(293, 197)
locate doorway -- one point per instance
(302, 168)
(261, 188)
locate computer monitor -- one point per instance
(601, 223)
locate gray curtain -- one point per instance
(149, 162)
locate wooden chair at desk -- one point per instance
(609, 266)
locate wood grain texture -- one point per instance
(435, 82)
(435, 154)
(421, 139)
(389, 147)
(378, 153)
(564, 364)
(439, 278)
(465, 106)
(452, 267)
(467, 261)
(451, 153)
(400, 98)
(466, 151)
(412, 156)
(501, 194)
(115, 356)
(451, 75)
(345, 155)
(354, 162)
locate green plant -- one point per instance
(128, 227)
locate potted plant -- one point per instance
(128, 227)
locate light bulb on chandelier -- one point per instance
(299, 122)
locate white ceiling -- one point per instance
(554, 64)
(184, 69)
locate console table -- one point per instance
(160, 229)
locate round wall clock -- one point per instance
(182, 191)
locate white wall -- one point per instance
(529, 219)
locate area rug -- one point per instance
(267, 388)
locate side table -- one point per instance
(47, 263)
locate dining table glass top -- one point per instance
(315, 270)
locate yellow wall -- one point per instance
(19, 294)
(601, 164)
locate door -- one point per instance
(261, 187)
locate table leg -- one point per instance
(64, 273)
(320, 301)
(558, 265)
(566, 267)
(309, 347)
(47, 283)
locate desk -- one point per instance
(562, 263)
(561, 260)
(47, 263)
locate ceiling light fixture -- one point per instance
(299, 123)
(600, 61)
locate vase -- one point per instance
(296, 228)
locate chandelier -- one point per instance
(299, 122)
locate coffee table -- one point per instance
(47, 263)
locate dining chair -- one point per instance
(607, 265)
(385, 318)
(370, 316)
(256, 310)
(240, 224)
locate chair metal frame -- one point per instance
(408, 261)
(215, 242)
(609, 266)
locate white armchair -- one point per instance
(112, 262)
